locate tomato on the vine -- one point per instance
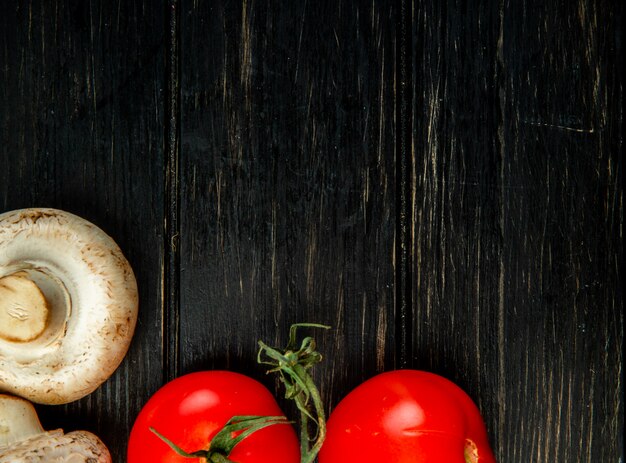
(406, 416)
(192, 409)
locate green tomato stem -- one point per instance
(292, 364)
(304, 437)
(218, 458)
(321, 417)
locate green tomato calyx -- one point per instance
(223, 443)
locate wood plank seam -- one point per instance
(171, 263)
(404, 168)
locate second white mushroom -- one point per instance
(23, 439)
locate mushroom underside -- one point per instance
(68, 305)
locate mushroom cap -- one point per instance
(92, 302)
(56, 447)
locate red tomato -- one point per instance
(406, 416)
(191, 409)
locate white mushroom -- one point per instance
(68, 305)
(23, 439)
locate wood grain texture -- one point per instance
(81, 117)
(562, 140)
(518, 214)
(440, 181)
(288, 183)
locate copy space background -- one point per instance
(440, 181)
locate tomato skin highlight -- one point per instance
(191, 409)
(406, 416)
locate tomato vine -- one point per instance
(292, 364)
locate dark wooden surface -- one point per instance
(440, 181)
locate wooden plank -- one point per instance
(81, 120)
(456, 206)
(561, 128)
(288, 183)
(518, 210)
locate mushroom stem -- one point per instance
(18, 421)
(23, 308)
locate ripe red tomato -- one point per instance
(406, 416)
(191, 409)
